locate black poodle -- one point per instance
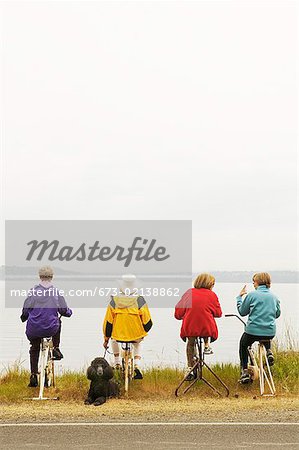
(100, 373)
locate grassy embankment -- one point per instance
(152, 399)
(157, 383)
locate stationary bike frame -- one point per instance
(197, 370)
(127, 364)
(46, 375)
(261, 368)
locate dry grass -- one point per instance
(157, 383)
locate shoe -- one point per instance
(137, 374)
(57, 355)
(270, 357)
(190, 376)
(208, 351)
(245, 377)
(33, 380)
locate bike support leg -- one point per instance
(198, 369)
(44, 355)
(265, 374)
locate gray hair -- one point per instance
(46, 272)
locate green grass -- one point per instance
(158, 383)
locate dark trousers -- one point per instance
(246, 341)
(35, 347)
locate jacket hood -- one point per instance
(42, 293)
(125, 302)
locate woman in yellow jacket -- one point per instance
(127, 319)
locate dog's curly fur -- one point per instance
(100, 373)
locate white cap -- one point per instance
(128, 282)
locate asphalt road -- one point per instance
(149, 435)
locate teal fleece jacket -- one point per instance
(263, 308)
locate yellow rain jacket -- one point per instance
(127, 319)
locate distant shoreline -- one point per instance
(278, 276)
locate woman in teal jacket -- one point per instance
(262, 308)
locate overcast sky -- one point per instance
(156, 110)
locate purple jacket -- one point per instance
(41, 309)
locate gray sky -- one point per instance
(156, 110)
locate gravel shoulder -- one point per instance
(278, 409)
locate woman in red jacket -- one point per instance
(198, 308)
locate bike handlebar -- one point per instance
(235, 315)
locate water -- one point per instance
(82, 333)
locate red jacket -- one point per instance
(197, 308)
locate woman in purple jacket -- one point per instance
(41, 309)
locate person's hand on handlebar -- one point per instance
(243, 291)
(106, 343)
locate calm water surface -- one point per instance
(82, 333)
